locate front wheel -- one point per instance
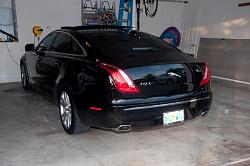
(24, 77)
(68, 115)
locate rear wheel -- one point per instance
(24, 77)
(68, 115)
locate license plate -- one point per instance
(173, 117)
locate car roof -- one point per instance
(127, 47)
(104, 38)
(97, 32)
(89, 33)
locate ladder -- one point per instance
(126, 6)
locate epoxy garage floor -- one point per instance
(31, 134)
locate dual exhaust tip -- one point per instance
(204, 114)
(123, 128)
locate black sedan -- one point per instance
(116, 78)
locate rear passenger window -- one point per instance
(75, 48)
(62, 43)
(46, 42)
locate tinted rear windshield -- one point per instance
(127, 42)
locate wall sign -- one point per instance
(172, 36)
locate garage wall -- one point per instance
(227, 58)
(168, 14)
(222, 18)
(218, 19)
(224, 29)
(50, 14)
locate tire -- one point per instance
(24, 77)
(148, 4)
(68, 115)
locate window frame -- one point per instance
(14, 36)
(84, 52)
(51, 46)
(72, 42)
(38, 45)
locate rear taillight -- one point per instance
(95, 108)
(121, 79)
(206, 76)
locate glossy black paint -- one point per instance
(29, 47)
(167, 78)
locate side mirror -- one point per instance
(29, 47)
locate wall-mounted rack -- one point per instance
(94, 11)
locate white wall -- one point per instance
(168, 14)
(222, 18)
(218, 19)
(50, 14)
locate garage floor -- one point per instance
(31, 134)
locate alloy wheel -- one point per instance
(65, 110)
(23, 76)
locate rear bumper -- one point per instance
(149, 114)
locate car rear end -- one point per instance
(150, 83)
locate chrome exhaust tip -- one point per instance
(204, 114)
(122, 128)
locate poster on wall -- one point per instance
(172, 36)
(8, 25)
(98, 12)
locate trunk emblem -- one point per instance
(174, 74)
(145, 84)
(197, 70)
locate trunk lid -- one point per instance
(156, 68)
(167, 79)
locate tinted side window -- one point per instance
(46, 42)
(62, 43)
(75, 48)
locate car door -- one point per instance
(50, 65)
(40, 51)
